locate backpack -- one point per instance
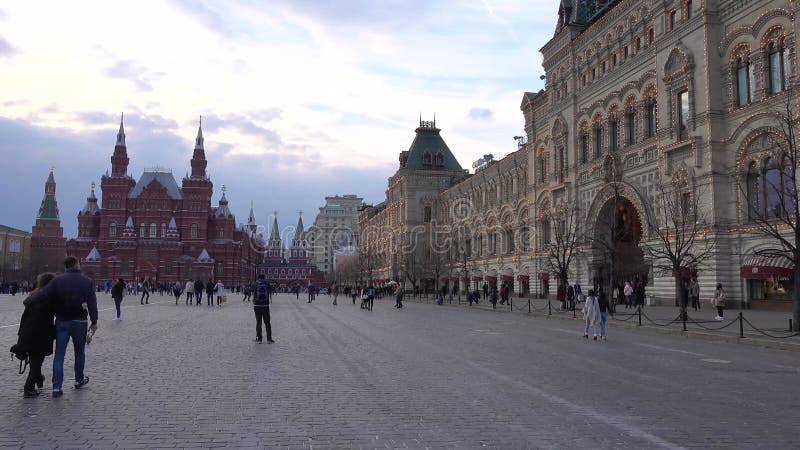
(262, 290)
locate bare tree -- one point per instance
(772, 204)
(561, 248)
(680, 228)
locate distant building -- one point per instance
(150, 228)
(289, 268)
(335, 230)
(15, 253)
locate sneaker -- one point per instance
(717, 318)
(270, 341)
(82, 383)
(115, 318)
(57, 393)
(258, 341)
(30, 394)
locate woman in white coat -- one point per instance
(591, 314)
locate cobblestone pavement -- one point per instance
(422, 377)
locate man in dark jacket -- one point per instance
(261, 307)
(198, 291)
(72, 296)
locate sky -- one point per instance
(300, 99)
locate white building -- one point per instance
(334, 231)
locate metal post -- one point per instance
(790, 324)
(683, 317)
(639, 310)
(549, 309)
(741, 325)
(511, 303)
(574, 314)
(529, 306)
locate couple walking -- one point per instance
(69, 298)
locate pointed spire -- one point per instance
(121, 132)
(274, 235)
(198, 143)
(299, 233)
(251, 219)
(48, 210)
(91, 204)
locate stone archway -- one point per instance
(616, 255)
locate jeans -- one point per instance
(210, 298)
(145, 297)
(117, 303)
(66, 330)
(262, 314)
(603, 319)
(719, 311)
(198, 297)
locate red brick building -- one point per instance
(152, 228)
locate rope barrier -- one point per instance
(677, 319)
(767, 334)
(630, 316)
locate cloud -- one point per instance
(6, 49)
(480, 114)
(82, 157)
(135, 73)
(391, 14)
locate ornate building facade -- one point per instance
(647, 99)
(152, 228)
(644, 102)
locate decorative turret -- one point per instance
(91, 207)
(89, 218)
(223, 210)
(251, 221)
(120, 160)
(199, 162)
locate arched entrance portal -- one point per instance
(616, 255)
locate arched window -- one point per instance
(163, 230)
(112, 229)
(142, 230)
(753, 190)
(439, 159)
(509, 242)
(545, 234)
(772, 188)
(613, 133)
(562, 164)
(687, 9)
(426, 158)
(542, 169)
(193, 231)
(524, 239)
(598, 140)
(650, 111)
(427, 214)
(778, 66)
(745, 81)
(630, 126)
(789, 197)
(584, 147)
(153, 230)
(221, 233)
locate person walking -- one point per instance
(198, 292)
(503, 294)
(189, 290)
(210, 293)
(219, 291)
(117, 292)
(177, 290)
(335, 289)
(694, 291)
(719, 302)
(261, 307)
(591, 314)
(35, 338)
(145, 292)
(246, 291)
(485, 290)
(603, 307)
(398, 297)
(72, 296)
(628, 292)
(493, 298)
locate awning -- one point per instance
(477, 278)
(490, 277)
(544, 276)
(507, 277)
(523, 277)
(762, 266)
(453, 278)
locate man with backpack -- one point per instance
(261, 307)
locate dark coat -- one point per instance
(36, 330)
(118, 290)
(67, 293)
